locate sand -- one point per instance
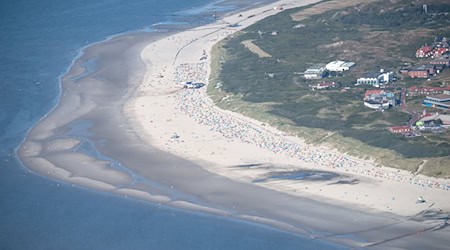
(113, 129)
(163, 108)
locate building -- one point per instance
(376, 79)
(424, 51)
(441, 101)
(443, 60)
(379, 99)
(339, 66)
(418, 91)
(440, 42)
(437, 52)
(323, 85)
(315, 72)
(399, 129)
(439, 47)
(371, 92)
(435, 120)
(420, 72)
(370, 78)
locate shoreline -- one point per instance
(189, 121)
(55, 147)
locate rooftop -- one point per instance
(415, 88)
(372, 75)
(373, 92)
(439, 98)
(444, 118)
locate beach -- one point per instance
(151, 139)
(221, 140)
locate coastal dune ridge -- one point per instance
(161, 110)
(114, 128)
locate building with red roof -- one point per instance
(437, 52)
(399, 129)
(372, 92)
(424, 51)
(419, 91)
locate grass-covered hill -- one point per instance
(256, 73)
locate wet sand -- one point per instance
(88, 141)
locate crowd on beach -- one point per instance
(198, 107)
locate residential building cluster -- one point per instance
(435, 123)
(432, 68)
(438, 51)
(439, 47)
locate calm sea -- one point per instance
(38, 41)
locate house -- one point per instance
(339, 66)
(379, 99)
(424, 51)
(315, 72)
(443, 60)
(376, 79)
(439, 52)
(418, 91)
(441, 101)
(371, 92)
(323, 85)
(419, 72)
(399, 129)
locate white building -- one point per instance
(315, 72)
(376, 79)
(339, 66)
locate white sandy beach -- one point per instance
(220, 140)
(113, 131)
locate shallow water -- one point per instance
(39, 39)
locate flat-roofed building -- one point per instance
(339, 66)
(399, 129)
(417, 91)
(444, 119)
(323, 85)
(376, 79)
(420, 72)
(441, 101)
(315, 72)
(443, 60)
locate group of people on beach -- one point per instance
(198, 107)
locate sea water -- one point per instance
(38, 42)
